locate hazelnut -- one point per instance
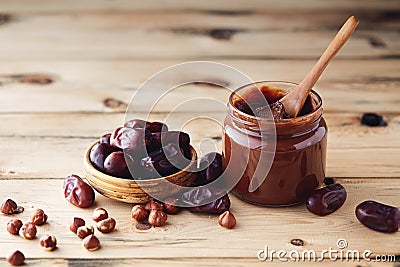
(153, 205)
(16, 258)
(106, 226)
(76, 223)
(8, 207)
(91, 243)
(29, 230)
(99, 214)
(227, 220)
(139, 213)
(157, 218)
(48, 242)
(13, 226)
(169, 206)
(38, 217)
(84, 231)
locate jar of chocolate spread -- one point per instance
(297, 152)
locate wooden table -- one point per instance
(69, 68)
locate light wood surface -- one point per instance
(68, 70)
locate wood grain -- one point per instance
(39, 6)
(206, 36)
(346, 86)
(191, 235)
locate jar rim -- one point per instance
(317, 108)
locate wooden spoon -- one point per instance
(294, 100)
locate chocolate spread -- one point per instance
(298, 165)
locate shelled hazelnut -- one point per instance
(157, 218)
(48, 242)
(29, 230)
(153, 205)
(84, 231)
(227, 220)
(106, 226)
(139, 213)
(91, 243)
(76, 223)
(13, 226)
(38, 217)
(8, 206)
(99, 214)
(16, 258)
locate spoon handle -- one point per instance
(294, 101)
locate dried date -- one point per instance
(77, 192)
(164, 162)
(99, 153)
(378, 216)
(326, 200)
(200, 200)
(210, 169)
(129, 138)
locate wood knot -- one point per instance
(375, 41)
(297, 242)
(222, 34)
(5, 18)
(36, 79)
(213, 83)
(114, 103)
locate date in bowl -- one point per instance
(138, 191)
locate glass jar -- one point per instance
(291, 155)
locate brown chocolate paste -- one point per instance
(298, 166)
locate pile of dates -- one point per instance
(141, 150)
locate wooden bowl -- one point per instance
(134, 191)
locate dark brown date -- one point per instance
(158, 140)
(152, 127)
(129, 138)
(378, 216)
(99, 153)
(326, 200)
(77, 192)
(372, 119)
(210, 169)
(164, 162)
(200, 195)
(105, 139)
(156, 127)
(116, 165)
(135, 124)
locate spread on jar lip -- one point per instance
(272, 96)
(296, 162)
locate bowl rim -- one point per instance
(90, 168)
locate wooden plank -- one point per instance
(83, 86)
(188, 262)
(192, 236)
(139, 44)
(39, 6)
(345, 130)
(30, 148)
(193, 22)
(128, 36)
